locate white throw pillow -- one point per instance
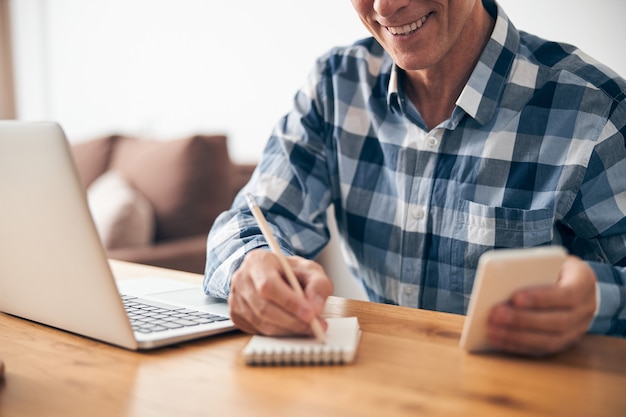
(122, 215)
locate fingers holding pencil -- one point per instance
(261, 301)
(276, 295)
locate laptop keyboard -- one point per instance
(150, 317)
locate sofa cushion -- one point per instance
(185, 180)
(92, 158)
(123, 217)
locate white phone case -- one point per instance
(499, 274)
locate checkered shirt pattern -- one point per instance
(532, 155)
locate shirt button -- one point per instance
(408, 290)
(432, 142)
(419, 213)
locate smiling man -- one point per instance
(437, 44)
(446, 134)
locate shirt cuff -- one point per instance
(608, 297)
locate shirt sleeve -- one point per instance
(291, 185)
(601, 222)
(610, 317)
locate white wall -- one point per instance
(597, 27)
(163, 68)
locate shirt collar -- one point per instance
(482, 93)
(480, 96)
(393, 96)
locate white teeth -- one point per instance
(406, 29)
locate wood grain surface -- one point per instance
(408, 364)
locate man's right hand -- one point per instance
(262, 301)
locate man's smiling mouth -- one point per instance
(408, 28)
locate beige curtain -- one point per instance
(7, 92)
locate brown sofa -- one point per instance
(185, 182)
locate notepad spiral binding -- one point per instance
(342, 339)
(319, 356)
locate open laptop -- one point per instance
(54, 269)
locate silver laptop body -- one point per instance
(53, 267)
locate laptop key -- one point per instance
(143, 330)
(201, 320)
(171, 325)
(184, 322)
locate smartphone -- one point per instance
(500, 273)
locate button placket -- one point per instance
(409, 295)
(432, 142)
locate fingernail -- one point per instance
(319, 302)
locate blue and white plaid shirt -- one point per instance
(533, 154)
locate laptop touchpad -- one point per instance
(193, 298)
(173, 292)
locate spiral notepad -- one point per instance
(342, 340)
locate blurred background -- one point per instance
(165, 69)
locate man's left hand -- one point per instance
(544, 320)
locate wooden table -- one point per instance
(408, 364)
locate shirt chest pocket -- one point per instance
(478, 228)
